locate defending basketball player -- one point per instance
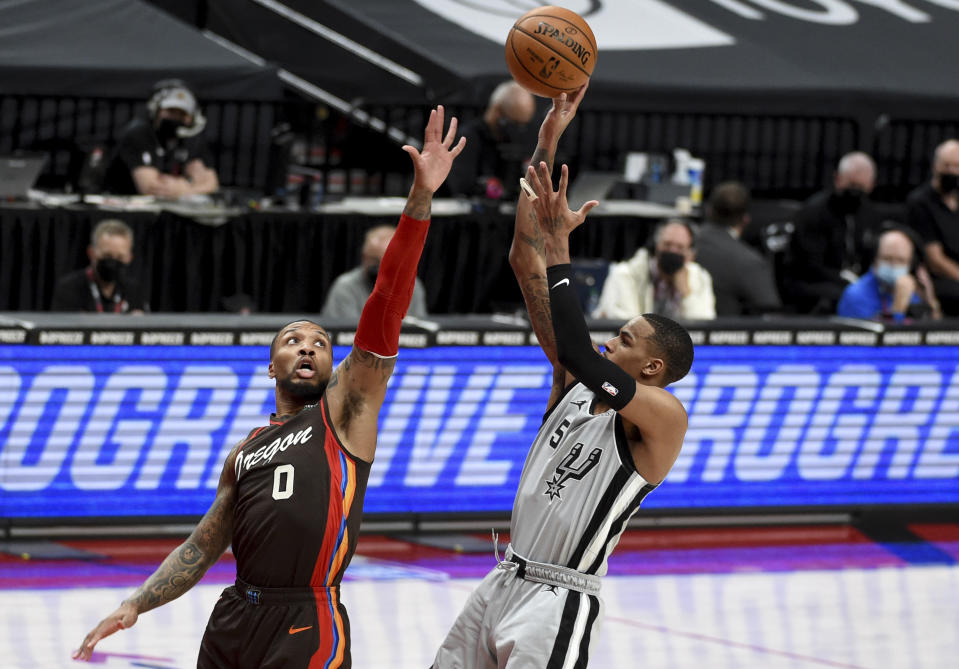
(290, 496)
(609, 437)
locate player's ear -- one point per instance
(653, 367)
(270, 371)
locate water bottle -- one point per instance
(695, 168)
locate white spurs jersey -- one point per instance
(578, 489)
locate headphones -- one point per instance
(166, 87)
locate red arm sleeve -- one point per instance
(379, 328)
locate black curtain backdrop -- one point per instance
(285, 261)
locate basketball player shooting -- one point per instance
(290, 496)
(609, 437)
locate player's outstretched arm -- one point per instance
(358, 385)
(181, 569)
(659, 416)
(527, 255)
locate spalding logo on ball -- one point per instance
(550, 51)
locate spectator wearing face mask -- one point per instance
(164, 155)
(105, 286)
(889, 291)
(665, 281)
(351, 289)
(933, 212)
(835, 238)
(493, 160)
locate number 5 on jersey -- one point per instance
(558, 434)
(283, 482)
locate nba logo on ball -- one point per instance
(550, 51)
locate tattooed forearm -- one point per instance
(535, 240)
(185, 566)
(536, 294)
(181, 570)
(418, 204)
(543, 154)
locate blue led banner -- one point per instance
(143, 430)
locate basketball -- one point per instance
(550, 51)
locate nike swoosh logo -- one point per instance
(560, 283)
(294, 630)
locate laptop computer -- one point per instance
(19, 173)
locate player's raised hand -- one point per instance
(432, 164)
(125, 616)
(561, 114)
(553, 214)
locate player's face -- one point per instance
(631, 349)
(302, 359)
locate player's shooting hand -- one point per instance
(553, 214)
(432, 164)
(561, 114)
(125, 616)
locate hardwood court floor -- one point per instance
(797, 597)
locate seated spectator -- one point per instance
(166, 154)
(834, 239)
(932, 210)
(665, 282)
(742, 279)
(105, 286)
(889, 291)
(492, 162)
(350, 289)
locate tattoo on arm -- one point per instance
(354, 399)
(543, 154)
(535, 240)
(360, 357)
(536, 293)
(185, 566)
(181, 570)
(418, 204)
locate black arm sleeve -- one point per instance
(574, 349)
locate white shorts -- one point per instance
(508, 622)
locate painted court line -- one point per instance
(729, 643)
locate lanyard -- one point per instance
(97, 300)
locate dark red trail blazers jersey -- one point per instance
(299, 503)
(295, 526)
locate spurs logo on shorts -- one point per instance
(566, 471)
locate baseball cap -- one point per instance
(177, 97)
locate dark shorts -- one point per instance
(269, 628)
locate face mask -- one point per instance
(109, 269)
(948, 183)
(372, 271)
(167, 129)
(889, 274)
(848, 200)
(669, 262)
